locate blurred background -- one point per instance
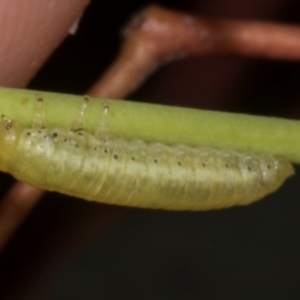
(72, 249)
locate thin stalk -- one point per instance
(169, 125)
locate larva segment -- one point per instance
(134, 173)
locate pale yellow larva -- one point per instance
(135, 173)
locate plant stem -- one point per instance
(158, 123)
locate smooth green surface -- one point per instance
(170, 125)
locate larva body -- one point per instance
(136, 173)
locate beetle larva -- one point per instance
(135, 173)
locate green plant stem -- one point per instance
(170, 125)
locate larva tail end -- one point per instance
(284, 170)
(287, 169)
(278, 172)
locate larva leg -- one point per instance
(38, 121)
(78, 122)
(102, 129)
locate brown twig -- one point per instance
(156, 36)
(14, 208)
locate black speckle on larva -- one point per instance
(133, 158)
(105, 151)
(179, 163)
(249, 168)
(54, 134)
(204, 165)
(77, 130)
(115, 156)
(28, 133)
(155, 160)
(8, 124)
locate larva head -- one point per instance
(10, 132)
